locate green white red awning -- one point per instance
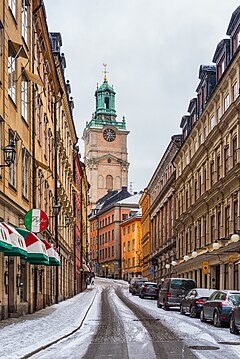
(5, 241)
(18, 243)
(54, 259)
(37, 253)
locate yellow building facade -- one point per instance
(36, 118)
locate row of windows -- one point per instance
(210, 173)
(207, 126)
(106, 253)
(128, 264)
(128, 246)
(128, 230)
(106, 237)
(209, 228)
(24, 17)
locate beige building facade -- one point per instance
(207, 173)
(36, 118)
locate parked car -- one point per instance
(149, 289)
(132, 285)
(173, 290)
(234, 321)
(194, 300)
(219, 305)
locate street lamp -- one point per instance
(186, 258)
(234, 237)
(216, 245)
(194, 254)
(9, 154)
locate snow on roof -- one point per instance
(131, 200)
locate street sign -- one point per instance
(151, 270)
(36, 220)
(205, 267)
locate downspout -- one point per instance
(75, 228)
(81, 231)
(56, 195)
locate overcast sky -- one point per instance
(153, 49)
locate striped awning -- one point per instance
(54, 259)
(37, 253)
(18, 243)
(5, 241)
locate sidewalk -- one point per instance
(19, 336)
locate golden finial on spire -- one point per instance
(105, 72)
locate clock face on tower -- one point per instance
(109, 135)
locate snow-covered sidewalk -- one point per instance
(35, 330)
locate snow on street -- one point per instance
(124, 329)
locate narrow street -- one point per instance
(119, 325)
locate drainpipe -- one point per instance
(81, 237)
(56, 195)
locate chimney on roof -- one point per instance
(124, 188)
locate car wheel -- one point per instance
(216, 320)
(159, 305)
(202, 317)
(181, 310)
(233, 328)
(165, 306)
(192, 313)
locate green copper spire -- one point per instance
(105, 99)
(105, 113)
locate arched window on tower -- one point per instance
(106, 101)
(118, 182)
(109, 182)
(100, 181)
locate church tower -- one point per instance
(105, 146)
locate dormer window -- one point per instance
(221, 68)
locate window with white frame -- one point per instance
(12, 73)
(186, 159)
(25, 172)
(12, 6)
(234, 91)
(39, 117)
(12, 172)
(226, 102)
(45, 135)
(218, 114)
(25, 19)
(212, 122)
(24, 97)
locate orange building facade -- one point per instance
(131, 246)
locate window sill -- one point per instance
(12, 187)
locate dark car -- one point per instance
(194, 300)
(173, 290)
(149, 289)
(234, 321)
(219, 305)
(134, 280)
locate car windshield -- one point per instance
(235, 298)
(151, 285)
(204, 292)
(139, 282)
(182, 284)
